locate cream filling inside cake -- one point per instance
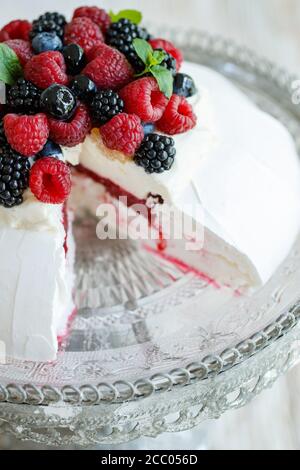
(36, 279)
(240, 165)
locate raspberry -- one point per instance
(97, 15)
(46, 69)
(124, 133)
(178, 117)
(84, 32)
(22, 49)
(26, 134)
(168, 47)
(73, 132)
(4, 36)
(109, 69)
(18, 29)
(50, 180)
(144, 98)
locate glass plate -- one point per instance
(145, 327)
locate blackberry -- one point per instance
(169, 62)
(121, 35)
(156, 154)
(53, 16)
(49, 23)
(14, 177)
(105, 105)
(24, 97)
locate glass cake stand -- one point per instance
(153, 348)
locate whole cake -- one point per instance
(139, 128)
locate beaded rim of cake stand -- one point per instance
(211, 366)
(123, 390)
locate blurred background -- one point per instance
(271, 28)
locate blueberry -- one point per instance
(184, 85)
(51, 149)
(46, 42)
(83, 88)
(74, 58)
(149, 128)
(58, 101)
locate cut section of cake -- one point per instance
(238, 164)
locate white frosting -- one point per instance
(241, 166)
(35, 279)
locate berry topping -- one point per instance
(18, 29)
(169, 62)
(49, 23)
(144, 98)
(84, 32)
(26, 134)
(156, 154)
(178, 117)
(73, 132)
(74, 58)
(121, 35)
(50, 180)
(58, 18)
(22, 49)
(184, 85)
(97, 15)
(110, 69)
(83, 88)
(123, 133)
(14, 176)
(23, 97)
(44, 42)
(148, 127)
(46, 69)
(105, 105)
(51, 149)
(3, 140)
(58, 101)
(168, 47)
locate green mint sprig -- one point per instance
(134, 16)
(10, 67)
(152, 60)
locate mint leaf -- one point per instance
(143, 50)
(158, 57)
(134, 16)
(10, 67)
(164, 79)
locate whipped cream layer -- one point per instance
(36, 279)
(240, 165)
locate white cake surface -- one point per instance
(241, 166)
(36, 279)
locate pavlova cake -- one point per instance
(139, 128)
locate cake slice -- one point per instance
(36, 278)
(239, 165)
